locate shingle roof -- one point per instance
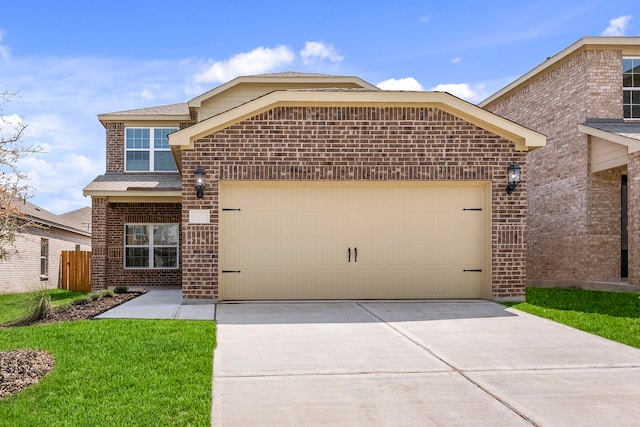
(618, 127)
(116, 182)
(81, 218)
(161, 110)
(43, 216)
(294, 74)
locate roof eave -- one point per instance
(140, 193)
(629, 46)
(631, 143)
(524, 138)
(105, 118)
(197, 101)
(58, 226)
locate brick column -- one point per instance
(633, 189)
(98, 243)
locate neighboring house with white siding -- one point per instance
(35, 261)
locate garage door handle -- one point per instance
(349, 254)
(355, 254)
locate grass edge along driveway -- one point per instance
(116, 373)
(612, 315)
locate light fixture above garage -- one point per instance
(513, 178)
(199, 182)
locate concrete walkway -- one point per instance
(415, 363)
(160, 304)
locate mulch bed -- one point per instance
(20, 369)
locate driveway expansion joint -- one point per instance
(451, 365)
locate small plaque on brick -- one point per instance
(199, 216)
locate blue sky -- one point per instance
(72, 60)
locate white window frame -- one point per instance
(635, 89)
(150, 246)
(151, 150)
(44, 259)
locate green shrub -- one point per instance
(82, 301)
(121, 290)
(64, 307)
(105, 293)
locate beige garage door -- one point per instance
(353, 241)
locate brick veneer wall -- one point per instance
(109, 220)
(354, 144)
(20, 272)
(574, 216)
(115, 147)
(634, 219)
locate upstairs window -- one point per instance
(147, 150)
(631, 87)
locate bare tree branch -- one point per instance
(13, 189)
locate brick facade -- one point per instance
(574, 215)
(115, 147)
(107, 260)
(355, 144)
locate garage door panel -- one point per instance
(292, 241)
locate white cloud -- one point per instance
(147, 94)
(5, 51)
(424, 19)
(456, 60)
(318, 51)
(474, 93)
(59, 98)
(408, 83)
(59, 179)
(258, 61)
(45, 124)
(617, 26)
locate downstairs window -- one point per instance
(151, 246)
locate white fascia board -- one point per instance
(631, 143)
(523, 137)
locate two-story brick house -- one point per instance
(308, 186)
(584, 186)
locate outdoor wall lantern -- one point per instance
(514, 177)
(199, 182)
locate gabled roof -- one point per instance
(523, 138)
(289, 77)
(178, 112)
(81, 218)
(629, 46)
(627, 134)
(181, 111)
(44, 217)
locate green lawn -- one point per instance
(13, 306)
(116, 373)
(613, 315)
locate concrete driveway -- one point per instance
(415, 363)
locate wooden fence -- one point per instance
(75, 270)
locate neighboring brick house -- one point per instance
(34, 263)
(314, 187)
(584, 186)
